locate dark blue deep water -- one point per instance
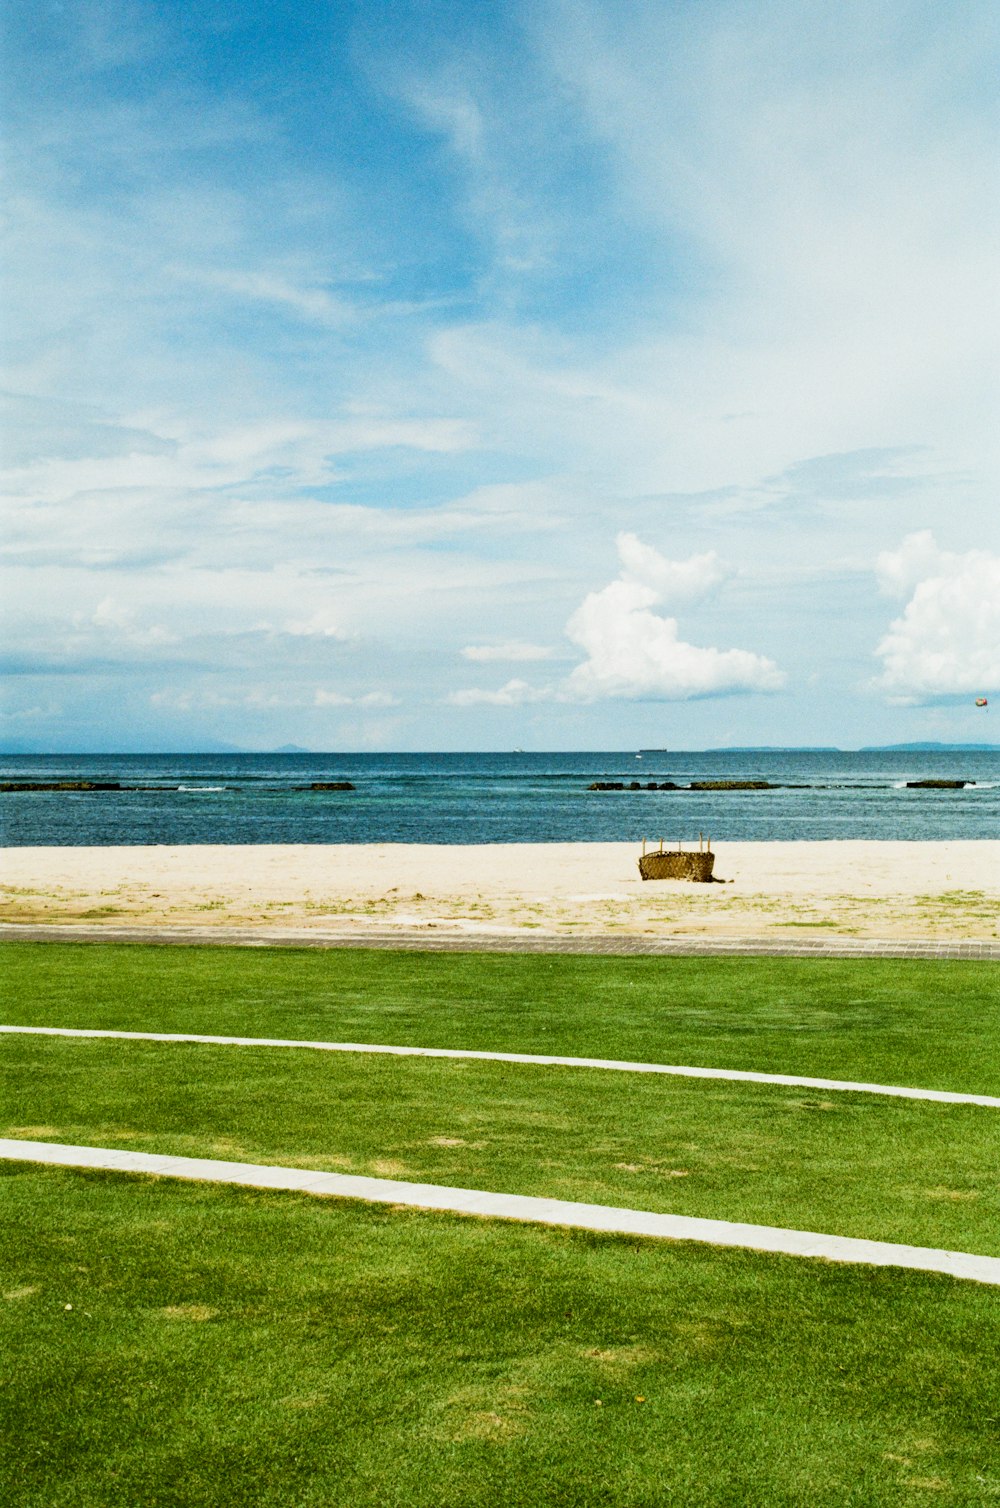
(497, 798)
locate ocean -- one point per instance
(498, 798)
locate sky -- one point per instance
(546, 375)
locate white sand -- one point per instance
(866, 889)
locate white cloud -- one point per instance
(29, 714)
(632, 652)
(810, 181)
(672, 580)
(171, 458)
(514, 694)
(173, 700)
(722, 272)
(112, 618)
(316, 305)
(323, 624)
(636, 654)
(263, 699)
(369, 699)
(947, 641)
(474, 130)
(110, 614)
(514, 649)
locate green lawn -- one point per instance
(850, 1164)
(233, 1347)
(932, 1024)
(242, 1347)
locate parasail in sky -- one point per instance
(981, 701)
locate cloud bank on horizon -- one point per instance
(611, 356)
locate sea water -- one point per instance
(499, 798)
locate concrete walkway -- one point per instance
(740, 1075)
(438, 940)
(597, 1217)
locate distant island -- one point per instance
(929, 748)
(755, 749)
(24, 750)
(914, 748)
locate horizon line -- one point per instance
(913, 746)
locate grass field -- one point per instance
(240, 1347)
(932, 1024)
(850, 1164)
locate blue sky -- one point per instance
(551, 375)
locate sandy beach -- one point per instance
(939, 891)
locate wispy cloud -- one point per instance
(511, 650)
(326, 698)
(348, 360)
(515, 693)
(315, 304)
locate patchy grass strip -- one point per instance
(593, 1217)
(200, 1344)
(738, 1075)
(880, 1021)
(861, 1165)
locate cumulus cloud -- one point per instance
(634, 653)
(947, 640)
(673, 580)
(514, 649)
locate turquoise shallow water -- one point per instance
(497, 798)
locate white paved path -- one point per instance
(943, 1096)
(599, 1217)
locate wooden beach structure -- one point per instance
(678, 863)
